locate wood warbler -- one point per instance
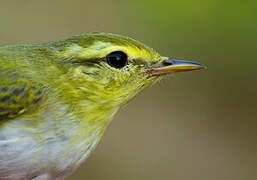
(57, 98)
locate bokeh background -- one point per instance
(192, 126)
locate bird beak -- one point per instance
(169, 66)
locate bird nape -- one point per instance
(57, 98)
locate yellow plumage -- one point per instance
(57, 98)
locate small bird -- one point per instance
(57, 98)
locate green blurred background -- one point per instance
(193, 126)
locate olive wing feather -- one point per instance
(18, 94)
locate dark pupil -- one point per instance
(117, 59)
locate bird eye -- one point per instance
(117, 59)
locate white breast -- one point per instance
(43, 155)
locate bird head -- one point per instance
(113, 68)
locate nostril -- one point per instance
(167, 62)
